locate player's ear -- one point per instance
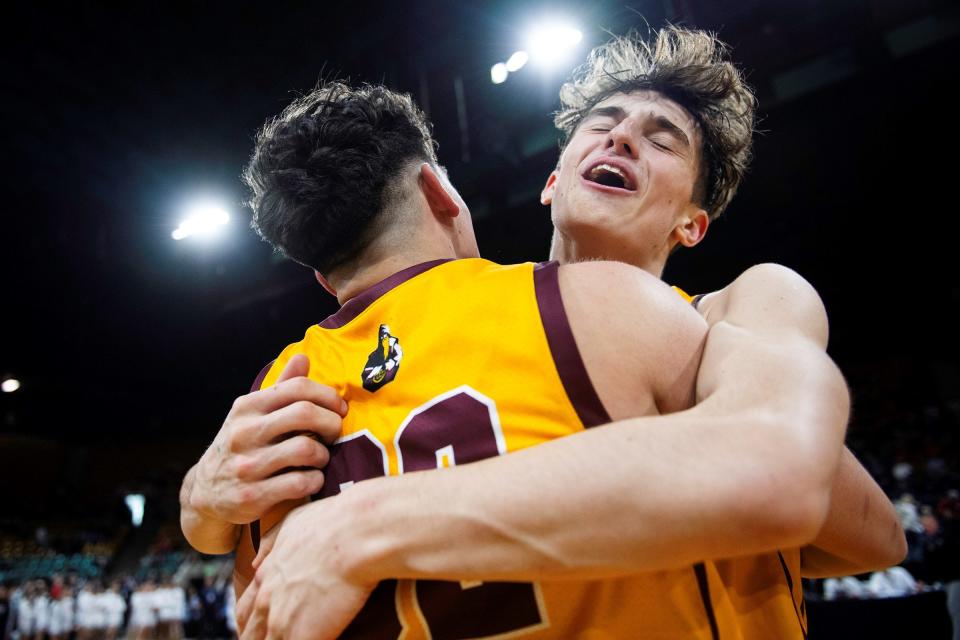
(325, 284)
(692, 227)
(546, 196)
(440, 201)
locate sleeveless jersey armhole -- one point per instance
(563, 347)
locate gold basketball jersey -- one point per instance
(450, 362)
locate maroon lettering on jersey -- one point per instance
(454, 611)
(357, 457)
(455, 428)
(379, 618)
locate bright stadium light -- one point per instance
(202, 220)
(10, 385)
(136, 503)
(551, 42)
(517, 60)
(499, 73)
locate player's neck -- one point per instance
(351, 282)
(565, 250)
(394, 251)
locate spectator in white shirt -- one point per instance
(114, 606)
(62, 615)
(174, 610)
(894, 582)
(41, 610)
(85, 612)
(848, 588)
(25, 612)
(143, 612)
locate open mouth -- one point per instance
(609, 176)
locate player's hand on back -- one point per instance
(271, 448)
(306, 586)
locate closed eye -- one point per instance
(661, 144)
(602, 120)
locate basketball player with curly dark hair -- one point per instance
(687, 521)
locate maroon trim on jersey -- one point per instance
(255, 535)
(704, 586)
(258, 382)
(355, 306)
(801, 611)
(563, 347)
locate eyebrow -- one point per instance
(667, 125)
(617, 113)
(663, 122)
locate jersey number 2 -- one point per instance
(456, 427)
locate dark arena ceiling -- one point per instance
(115, 117)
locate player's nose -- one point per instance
(620, 140)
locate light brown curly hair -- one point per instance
(691, 68)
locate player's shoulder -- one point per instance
(770, 276)
(605, 270)
(616, 285)
(602, 275)
(769, 297)
(761, 283)
(637, 309)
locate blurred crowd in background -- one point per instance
(102, 578)
(171, 593)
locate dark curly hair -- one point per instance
(322, 172)
(691, 68)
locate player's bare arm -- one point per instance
(646, 357)
(748, 470)
(269, 449)
(862, 532)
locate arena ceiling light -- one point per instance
(499, 73)
(549, 43)
(202, 220)
(517, 60)
(10, 385)
(136, 502)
